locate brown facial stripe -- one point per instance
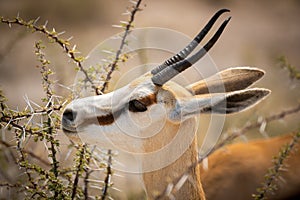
(148, 100)
(109, 118)
(106, 120)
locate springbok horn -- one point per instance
(192, 45)
(171, 71)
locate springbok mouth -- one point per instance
(69, 130)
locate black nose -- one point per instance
(69, 115)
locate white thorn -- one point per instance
(116, 189)
(282, 179)
(262, 127)
(205, 163)
(74, 48)
(107, 51)
(109, 197)
(133, 2)
(169, 189)
(95, 181)
(60, 33)
(7, 124)
(181, 181)
(104, 60)
(36, 20)
(126, 13)
(46, 23)
(70, 38)
(117, 26)
(96, 187)
(124, 22)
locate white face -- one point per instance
(137, 111)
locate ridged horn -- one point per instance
(174, 69)
(192, 45)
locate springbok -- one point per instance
(236, 171)
(123, 115)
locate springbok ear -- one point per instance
(217, 103)
(228, 80)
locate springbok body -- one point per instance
(236, 171)
(151, 112)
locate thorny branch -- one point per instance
(19, 116)
(20, 122)
(45, 70)
(9, 122)
(49, 129)
(273, 173)
(88, 172)
(79, 169)
(114, 64)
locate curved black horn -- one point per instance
(192, 45)
(171, 71)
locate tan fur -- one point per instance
(157, 181)
(236, 171)
(148, 100)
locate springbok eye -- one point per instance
(137, 106)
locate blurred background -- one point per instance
(259, 33)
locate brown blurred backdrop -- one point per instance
(259, 33)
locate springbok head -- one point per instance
(152, 103)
